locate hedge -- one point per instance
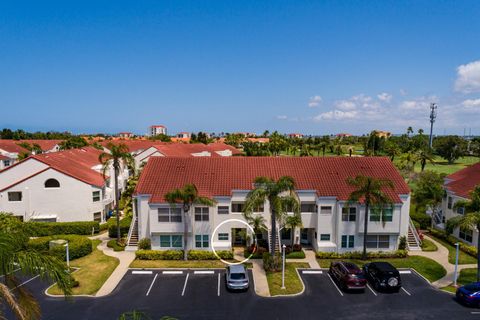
(258, 253)
(358, 255)
(424, 220)
(115, 246)
(209, 255)
(41, 229)
(124, 226)
(470, 250)
(159, 254)
(78, 246)
(295, 255)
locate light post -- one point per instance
(283, 267)
(68, 256)
(457, 245)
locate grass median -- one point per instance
(466, 276)
(94, 270)
(428, 245)
(463, 258)
(293, 284)
(190, 264)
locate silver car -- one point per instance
(237, 277)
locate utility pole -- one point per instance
(433, 116)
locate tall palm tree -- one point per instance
(187, 196)
(471, 219)
(116, 158)
(293, 222)
(424, 155)
(281, 196)
(370, 190)
(15, 254)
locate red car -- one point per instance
(348, 275)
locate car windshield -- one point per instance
(472, 287)
(352, 268)
(237, 276)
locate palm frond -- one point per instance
(7, 296)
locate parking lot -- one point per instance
(201, 294)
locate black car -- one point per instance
(383, 276)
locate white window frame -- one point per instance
(227, 209)
(174, 214)
(202, 214)
(324, 208)
(15, 192)
(170, 241)
(204, 241)
(349, 214)
(223, 236)
(94, 196)
(376, 243)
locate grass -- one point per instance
(428, 268)
(466, 276)
(293, 284)
(442, 166)
(94, 270)
(191, 264)
(463, 258)
(428, 245)
(115, 246)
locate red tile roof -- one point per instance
(183, 150)
(2, 157)
(464, 181)
(219, 176)
(14, 145)
(132, 145)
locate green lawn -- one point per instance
(442, 166)
(429, 268)
(293, 284)
(466, 276)
(428, 245)
(94, 270)
(192, 264)
(463, 258)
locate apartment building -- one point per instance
(156, 130)
(11, 149)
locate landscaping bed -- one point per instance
(463, 257)
(115, 246)
(78, 246)
(428, 245)
(190, 264)
(293, 283)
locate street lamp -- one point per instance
(283, 267)
(457, 245)
(68, 256)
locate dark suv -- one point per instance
(383, 276)
(347, 275)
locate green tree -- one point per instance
(280, 195)
(424, 155)
(73, 142)
(392, 149)
(429, 190)
(371, 191)
(187, 196)
(15, 254)
(450, 147)
(470, 220)
(161, 137)
(117, 157)
(293, 222)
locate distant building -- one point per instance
(156, 130)
(343, 135)
(125, 135)
(11, 149)
(382, 134)
(183, 135)
(295, 135)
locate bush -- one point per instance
(295, 255)
(402, 243)
(470, 250)
(144, 244)
(116, 246)
(209, 255)
(159, 254)
(124, 226)
(78, 246)
(41, 229)
(424, 220)
(358, 255)
(258, 254)
(103, 226)
(272, 263)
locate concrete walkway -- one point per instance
(260, 278)
(441, 256)
(125, 258)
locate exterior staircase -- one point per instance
(132, 239)
(277, 241)
(413, 239)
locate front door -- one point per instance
(304, 236)
(239, 236)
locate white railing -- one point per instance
(130, 230)
(415, 233)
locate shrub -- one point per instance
(159, 254)
(209, 255)
(297, 247)
(144, 244)
(124, 226)
(358, 255)
(402, 243)
(116, 246)
(424, 220)
(78, 246)
(272, 263)
(295, 255)
(103, 226)
(470, 250)
(258, 254)
(41, 229)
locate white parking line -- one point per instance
(312, 272)
(475, 312)
(141, 272)
(368, 286)
(185, 285)
(10, 273)
(204, 272)
(218, 290)
(172, 272)
(151, 285)
(339, 291)
(405, 271)
(406, 291)
(23, 283)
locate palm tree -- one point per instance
(14, 254)
(187, 196)
(281, 197)
(306, 151)
(294, 222)
(370, 190)
(470, 220)
(424, 155)
(117, 157)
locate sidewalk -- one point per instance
(441, 256)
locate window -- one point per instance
(461, 210)
(52, 183)
(97, 216)
(223, 236)
(237, 206)
(466, 235)
(449, 202)
(6, 163)
(378, 242)
(171, 241)
(169, 214)
(325, 237)
(201, 214)
(377, 214)
(223, 209)
(325, 210)
(349, 214)
(348, 241)
(201, 240)
(15, 196)
(96, 196)
(308, 207)
(286, 234)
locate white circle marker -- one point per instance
(213, 237)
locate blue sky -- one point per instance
(314, 67)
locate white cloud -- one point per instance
(282, 117)
(403, 92)
(385, 97)
(468, 77)
(345, 105)
(335, 115)
(471, 105)
(314, 101)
